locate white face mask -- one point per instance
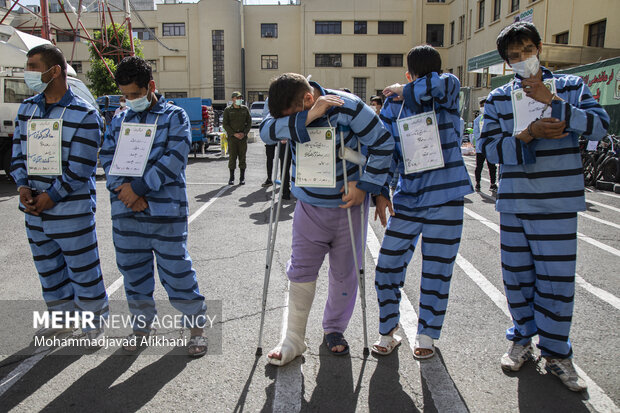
(34, 82)
(239, 102)
(527, 68)
(140, 104)
(122, 104)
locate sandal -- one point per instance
(194, 343)
(337, 339)
(139, 340)
(423, 342)
(389, 343)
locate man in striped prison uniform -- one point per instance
(320, 223)
(149, 213)
(60, 209)
(541, 190)
(428, 203)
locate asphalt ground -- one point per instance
(227, 242)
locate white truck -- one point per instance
(14, 45)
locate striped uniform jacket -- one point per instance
(74, 190)
(545, 175)
(163, 181)
(359, 123)
(437, 186)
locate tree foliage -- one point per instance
(101, 82)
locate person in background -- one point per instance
(270, 151)
(237, 123)
(122, 105)
(480, 157)
(376, 103)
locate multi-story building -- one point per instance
(213, 47)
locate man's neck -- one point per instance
(55, 91)
(316, 93)
(153, 100)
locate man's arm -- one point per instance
(106, 154)
(248, 122)
(226, 124)
(444, 89)
(18, 159)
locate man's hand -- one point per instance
(126, 194)
(140, 205)
(382, 203)
(395, 89)
(355, 196)
(321, 105)
(549, 128)
(239, 135)
(42, 202)
(25, 197)
(536, 89)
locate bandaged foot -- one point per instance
(292, 344)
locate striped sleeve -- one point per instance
(499, 146)
(586, 118)
(291, 127)
(386, 117)
(106, 154)
(82, 161)
(167, 168)
(443, 89)
(18, 166)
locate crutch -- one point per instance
(360, 273)
(271, 235)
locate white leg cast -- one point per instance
(293, 342)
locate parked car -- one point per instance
(256, 111)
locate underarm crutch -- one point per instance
(271, 235)
(360, 273)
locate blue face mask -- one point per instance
(140, 104)
(34, 82)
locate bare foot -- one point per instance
(421, 352)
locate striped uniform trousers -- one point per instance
(539, 254)
(136, 239)
(441, 229)
(66, 257)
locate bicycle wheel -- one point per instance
(588, 170)
(610, 169)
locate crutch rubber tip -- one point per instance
(259, 351)
(366, 351)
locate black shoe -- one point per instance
(242, 177)
(241, 181)
(493, 188)
(477, 188)
(267, 183)
(231, 180)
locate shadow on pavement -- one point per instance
(244, 394)
(286, 213)
(207, 196)
(95, 388)
(386, 393)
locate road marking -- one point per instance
(207, 183)
(289, 382)
(603, 205)
(485, 285)
(30, 362)
(602, 221)
(446, 397)
(609, 194)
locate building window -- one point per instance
(173, 29)
(219, 90)
(459, 73)
(257, 96)
(435, 1)
(596, 34)
(451, 33)
(450, 70)
(514, 5)
(478, 79)
(359, 60)
(269, 30)
(561, 38)
(434, 35)
(359, 87)
(327, 27)
(269, 61)
(360, 27)
(174, 95)
(391, 27)
(461, 27)
(77, 66)
(64, 36)
(153, 64)
(481, 14)
(390, 60)
(328, 60)
(143, 33)
(497, 8)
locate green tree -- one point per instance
(101, 82)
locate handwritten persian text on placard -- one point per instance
(316, 159)
(420, 143)
(44, 147)
(132, 149)
(526, 110)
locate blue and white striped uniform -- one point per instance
(477, 144)
(359, 123)
(428, 203)
(541, 190)
(63, 239)
(161, 229)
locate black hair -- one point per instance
(422, 60)
(482, 102)
(286, 91)
(133, 69)
(377, 99)
(516, 33)
(51, 56)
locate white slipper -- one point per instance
(389, 343)
(424, 342)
